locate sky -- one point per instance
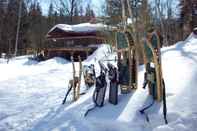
(95, 4)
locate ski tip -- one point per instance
(85, 114)
(83, 93)
(141, 112)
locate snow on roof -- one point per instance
(84, 27)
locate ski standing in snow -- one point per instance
(153, 76)
(100, 89)
(74, 83)
(113, 77)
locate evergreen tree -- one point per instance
(51, 19)
(37, 28)
(2, 18)
(51, 10)
(10, 26)
(61, 16)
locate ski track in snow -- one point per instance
(31, 95)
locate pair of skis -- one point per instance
(127, 62)
(100, 89)
(101, 85)
(161, 92)
(75, 83)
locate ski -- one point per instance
(133, 65)
(164, 104)
(74, 79)
(161, 92)
(158, 70)
(67, 93)
(75, 83)
(113, 90)
(142, 111)
(69, 89)
(100, 89)
(80, 74)
(90, 109)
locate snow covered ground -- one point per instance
(31, 94)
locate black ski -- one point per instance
(65, 98)
(164, 103)
(113, 90)
(100, 89)
(67, 94)
(142, 111)
(86, 113)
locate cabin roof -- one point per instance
(84, 30)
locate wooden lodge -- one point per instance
(74, 40)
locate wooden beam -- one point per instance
(75, 37)
(70, 49)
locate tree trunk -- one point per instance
(18, 28)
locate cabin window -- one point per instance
(70, 43)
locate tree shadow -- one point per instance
(60, 115)
(31, 62)
(150, 112)
(176, 47)
(110, 111)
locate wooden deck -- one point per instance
(66, 53)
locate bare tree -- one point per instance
(160, 8)
(68, 7)
(18, 28)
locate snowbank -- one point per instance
(102, 52)
(55, 60)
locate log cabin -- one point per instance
(74, 40)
